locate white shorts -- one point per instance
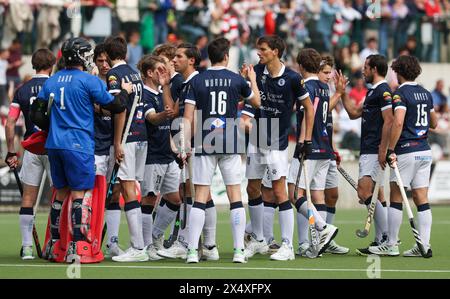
(266, 181)
(414, 168)
(133, 164)
(332, 180)
(102, 165)
(369, 166)
(317, 173)
(258, 160)
(162, 178)
(32, 168)
(229, 165)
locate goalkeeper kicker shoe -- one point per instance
(72, 255)
(415, 252)
(113, 249)
(26, 252)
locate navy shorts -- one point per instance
(73, 169)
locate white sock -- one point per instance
(237, 217)
(395, 217)
(209, 229)
(248, 227)
(147, 224)
(113, 214)
(26, 226)
(196, 222)
(302, 228)
(331, 214)
(183, 233)
(134, 219)
(302, 207)
(256, 211)
(286, 215)
(269, 215)
(381, 222)
(425, 220)
(164, 216)
(322, 210)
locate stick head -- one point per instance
(362, 233)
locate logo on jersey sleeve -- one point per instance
(302, 83)
(112, 80)
(396, 99)
(387, 96)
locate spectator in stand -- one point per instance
(400, 23)
(328, 11)
(439, 98)
(134, 51)
(161, 27)
(370, 49)
(385, 23)
(359, 90)
(14, 63)
(411, 45)
(430, 52)
(4, 55)
(189, 26)
(202, 45)
(356, 64)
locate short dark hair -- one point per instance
(43, 59)
(379, 62)
(326, 60)
(116, 47)
(191, 51)
(167, 50)
(217, 49)
(99, 49)
(310, 60)
(274, 42)
(407, 66)
(149, 62)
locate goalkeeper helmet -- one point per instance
(78, 51)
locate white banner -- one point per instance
(440, 183)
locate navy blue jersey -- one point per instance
(320, 96)
(72, 112)
(418, 103)
(103, 129)
(176, 84)
(158, 148)
(216, 93)
(24, 97)
(378, 99)
(185, 89)
(278, 95)
(138, 131)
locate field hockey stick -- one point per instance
(183, 175)
(314, 236)
(35, 234)
(347, 177)
(297, 181)
(115, 170)
(371, 208)
(36, 206)
(409, 212)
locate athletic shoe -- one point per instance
(72, 255)
(247, 238)
(326, 236)
(334, 248)
(210, 254)
(384, 250)
(158, 242)
(415, 252)
(273, 246)
(302, 248)
(152, 253)
(113, 249)
(366, 252)
(132, 255)
(255, 246)
(192, 256)
(285, 253)
(176, 251)
(48, 252)
(26, 252)
(239, 256)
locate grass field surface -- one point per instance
(258, 267)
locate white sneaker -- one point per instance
(273, 246)
(26, 252)
(192, 256)
(132, 255)
(384, 250)
(210, 254)
(325, 237)
(285, 253)
(176, 251)
(302, 248)
(158, 242)
(255, 246)
(113, 249)
(247, 238)
(239, 256)
(334, 248)
(152, 253)
(415, 252)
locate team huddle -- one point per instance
(168, 127)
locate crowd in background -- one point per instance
(350, 30)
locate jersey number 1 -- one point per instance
(62, 107)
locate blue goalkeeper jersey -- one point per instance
(72, 111)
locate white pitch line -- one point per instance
(227, 268)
